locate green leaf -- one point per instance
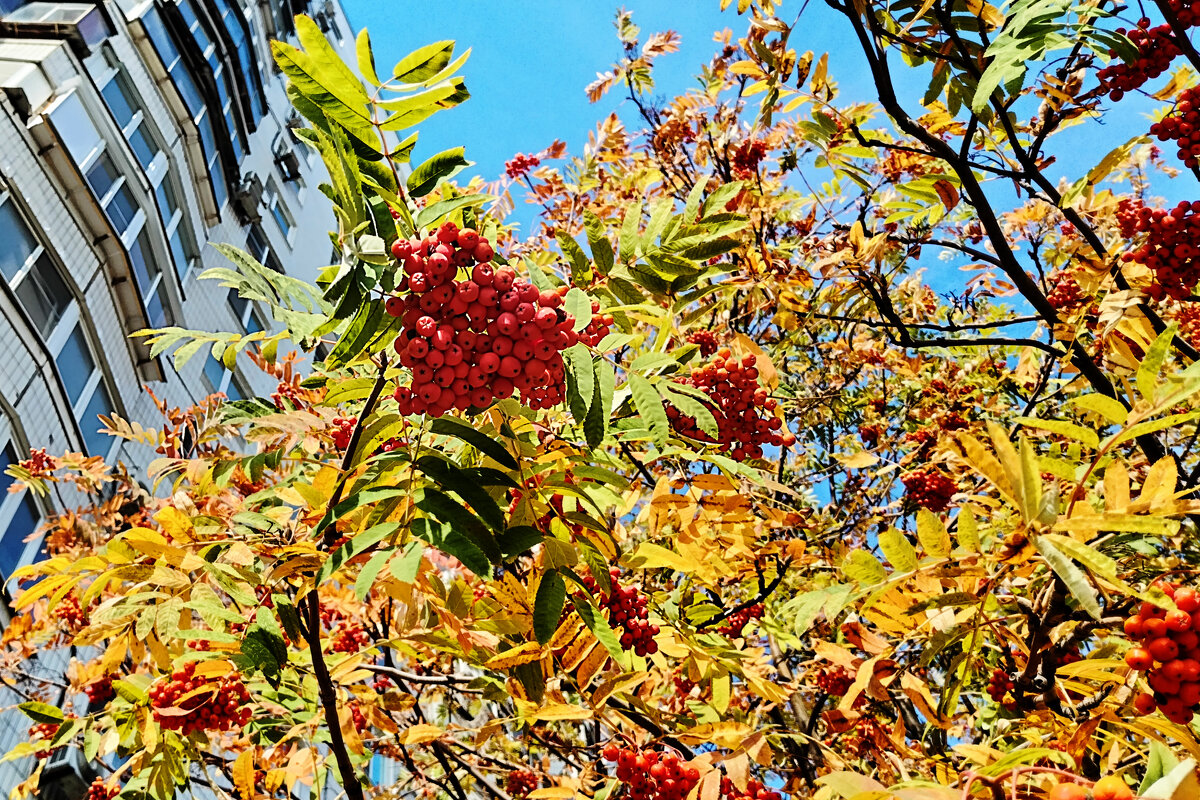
(898, 550)
(370, 571)
(581, 270)
(449, 477)
(440, 505)
(583, 379)
(442, 208)
(263, 647)
(359, 543)
(716, 202)
(650, 407)
(1159, 762)
(519, 539)
(1072, 576)
(579, 305)
(602, 252)
(366, 59)
(449, 426)
(436, 168)
(42, 712)
(425, 62)
(694, 408)
(449, 541)
(320, 76)
(596, 424)
(548, 605)
(931, 532)
(1152, 363)
(627, 246)
(599, 627)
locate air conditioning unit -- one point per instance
(248, 198)
(289, 164)
(66, 775)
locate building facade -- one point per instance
(134, 132)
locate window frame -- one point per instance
(9, 505)
(284, 219)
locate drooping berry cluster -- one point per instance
(472, 341)
(188, 703)
(627, 609)
(519, 165)
(834, 681)
(1170, 250)
(1169, 654)
(1156, 50)
(343, 430)
(1065, 293)
(735, 400)
(707, 340)
(999, 685)
(1182, 126)
(651, 775)
(520, 782)
(739, 619)
(929, 489)
(598, 328)
(870, 432)
(99, 790)
(44, 733)
(349, 638)
(100, 691)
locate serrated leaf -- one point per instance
(1072, 576)
(1085, 436)
(864, 568)
(436, 168)
(1152, 363)
(548, 605)
(449, 426)
(695, 409)
(649, 407)
(898, 550)
(424, 63)
(602, 252)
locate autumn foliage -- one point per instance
(808, 446)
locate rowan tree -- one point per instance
(810, 447)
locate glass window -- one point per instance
(232, 391)
(238, 303)
(8, 457)
(97, 442)
(25, 520)
(17, 244)
(248, 63)
(75, 127)
(44, 295)
(75, 364)
(214, 373)
(142, 258)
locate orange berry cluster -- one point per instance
(1182, 126)
(707, 340)
(929, 489)
(186, 703)
(651, 775)
(739, 619)
(1188, 319)
(100, 691)
(627, 609)
(1156, 50)
(1169, 654)
(520, 782)
(1111, 787)
(343, 430)
(746, 157)
(1065, 294)
(1170, 250)
(473, 341)
(735, 400)
(70, 613)
(99, 790)
(349, 638)
(44, 732)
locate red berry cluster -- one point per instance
(683, 684)
(735, 401)
(349, 638)
(746, 157)
(834, 681)
(754, 791)
(707, 341)
(929, 489)
(1188, 319)
(1170, 250)
(1065, 293)
(999, 685)
(343, 429)
(40, 463)
(598, 328)
(650, 775)
(205, 704)
(1169, 654)
(100, 691)
(869, 433)
(520, 165)
(520, 782)
(382, 683)
(70, 613)
(99, 790)
(738, 620)
(1156, 50)
(472, 341)
(627, 609)
(44, 732)
(1182, 126)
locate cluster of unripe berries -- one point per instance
(349, 638)
(472, 341)
(1065, 294)
(1169, 654)
(1182, 126)
(627, 610)
(100, 691)
(651, 775)
(739, 619)
(707, 340)
(520, 782)
(99, 790)
(834, 681)
(929, 489)
(1169, 250)
(1110, 787)
(211, 704)
(1156, 50)
(735, 400)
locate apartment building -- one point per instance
(132, 133)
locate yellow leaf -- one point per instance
(243, 774)
(859, 460)
(728, 734)
(419, 734)
(550, 792)
(522, 654)
(556, 711)
(652, 556)
(748, 68)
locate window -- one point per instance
(246, 313)
(44, 295)
(19, 517)
(249, 64)
(112, 192)
(173, 63)
(278, 210)
(259, 247)
(220, 73)
(220, 379)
